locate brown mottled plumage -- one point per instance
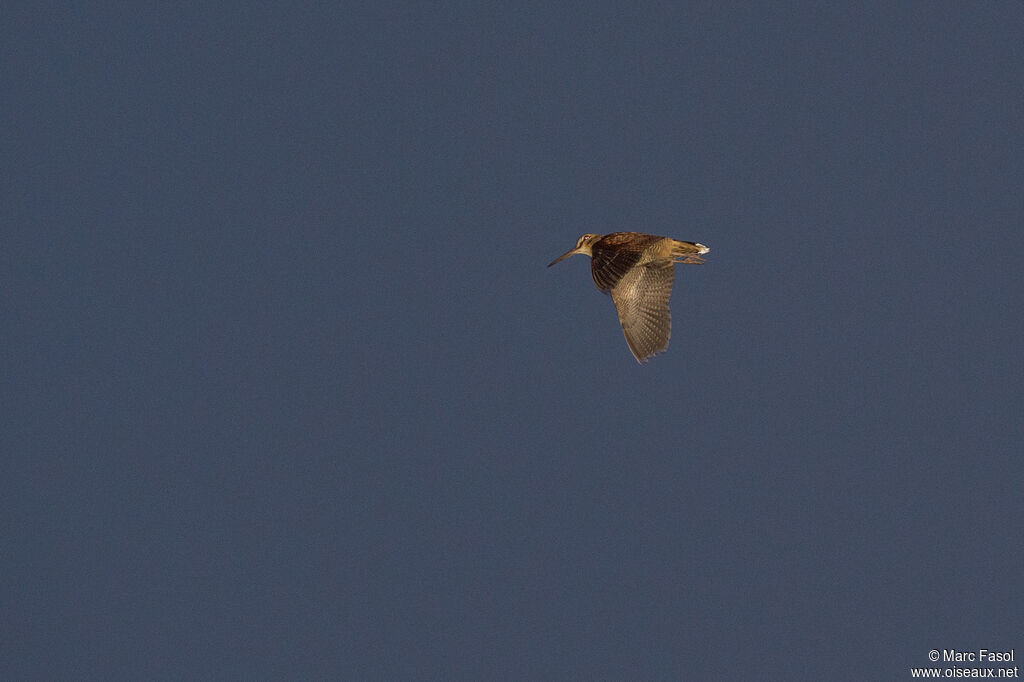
(637, 270)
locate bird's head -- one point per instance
(583, 245)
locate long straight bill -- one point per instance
(563, 257)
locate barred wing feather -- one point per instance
(641, 299)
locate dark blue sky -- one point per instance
(289, 392)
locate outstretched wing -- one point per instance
(641, 299)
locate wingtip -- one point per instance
(702, 248)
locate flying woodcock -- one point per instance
(637, 270)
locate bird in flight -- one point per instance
(637, 270)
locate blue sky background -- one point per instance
(289, 392)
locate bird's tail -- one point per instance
(688, 252)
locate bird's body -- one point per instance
(637, 270)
